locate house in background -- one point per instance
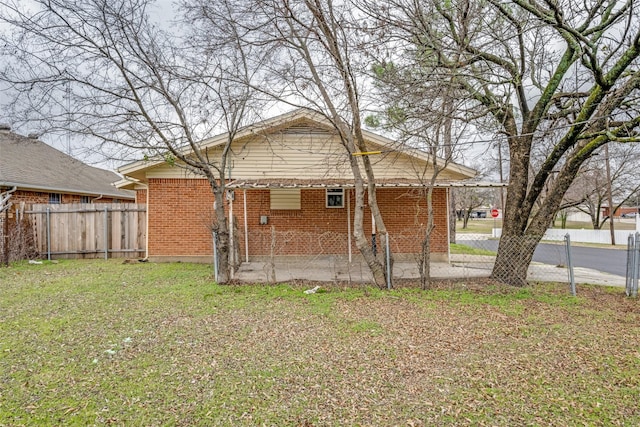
(34, 172)
(291, 194)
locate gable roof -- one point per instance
(30, 164)
(291, 121)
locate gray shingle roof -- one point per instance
(29, 163)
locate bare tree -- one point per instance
(557, 79)
(313, 48)
(423, 126)
(423, 116)
(128, 84)
(589, 194)
(469, 199)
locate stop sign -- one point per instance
(495, 213)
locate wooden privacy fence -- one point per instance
(79, 230)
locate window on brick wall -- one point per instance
(55, 198)
(284, 198)
(85, 199)
(335, 197)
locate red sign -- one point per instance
(495, 213)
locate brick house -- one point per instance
(34, 172)
(289, 178)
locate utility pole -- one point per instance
(609, 195)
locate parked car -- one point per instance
(629, 215)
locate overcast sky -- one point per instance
(163, 12)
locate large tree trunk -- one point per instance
(424, 263)
(513, 259)
(221, 228)
(362, 242)
(513, 256)
(379, 263)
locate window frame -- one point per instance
(334, 192)
(55, 198)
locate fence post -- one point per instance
(215, 257)
(631, 264)
(272, 252)
(106, 233)
(49, 234)
(636, 266)
(5, 237)
(572, 281)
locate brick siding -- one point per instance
(181, 211)
(39, 197)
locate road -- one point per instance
(613, 261)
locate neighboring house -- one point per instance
(34, 172)
(289, 175)
(622, 211)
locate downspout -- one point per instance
(97, 198)
(5, 199)
(146, 223)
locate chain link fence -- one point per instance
(478, 252)
(271, 255)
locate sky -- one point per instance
(163, 12)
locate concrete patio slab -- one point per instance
(337, 269)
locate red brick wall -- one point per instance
(403, 211)
(179, 214)
(141, 196)
(180, 211)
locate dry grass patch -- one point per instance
(90, 343)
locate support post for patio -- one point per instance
(246, 231)
(231, 243)
(388, 254)
(447, 191)
(349, 223)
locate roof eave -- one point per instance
(48, 189)
(252, 184)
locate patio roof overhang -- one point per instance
(341, 183)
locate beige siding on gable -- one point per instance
(304, 153)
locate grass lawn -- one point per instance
(101, 342)
(457, 248)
